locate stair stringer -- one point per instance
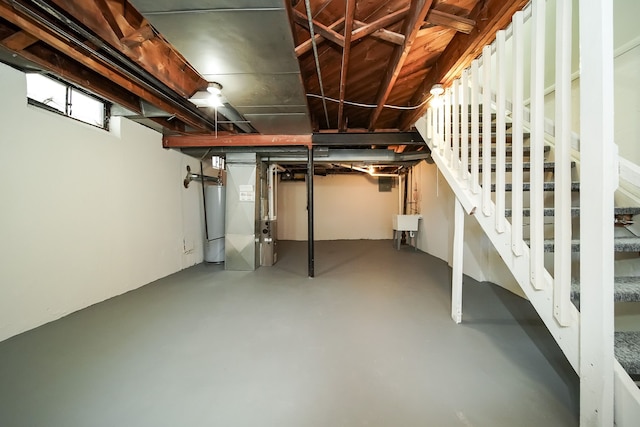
(567, 337)
(627, 397)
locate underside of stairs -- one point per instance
(626, 288)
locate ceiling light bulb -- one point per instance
(215, 100)
(214, 88)
(437, 89)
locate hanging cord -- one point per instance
(359, 104)
(315, 55)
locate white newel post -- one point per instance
(598, 163)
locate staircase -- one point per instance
(543, 196)
(532, 185)
(626, 288)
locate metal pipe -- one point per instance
(370, 172)
(310, 210)
(317, 59)
(199, 177)
(204, 203)
(272, 187)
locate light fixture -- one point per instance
(214, 88)
(437, 89)
(212, 97)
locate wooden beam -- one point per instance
(107, 14)
(74, 72)
(244, 140)
(318, 27)
(383, 34)
(417, 13)
(349, 13)
(307, 45)
(448, 20)
(158, 58)
(491, 16)
(376, 25)
(138, 37)
(19, 41)
(85, 58)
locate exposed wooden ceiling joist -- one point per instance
(19, 41)
(246, 140)
(157, 57)
(383, 34)
(378, 24)
(110, 18)
(350, 10)
(490, 16)
(416, 15)
(307, 45)
(319, 28)
(448, 20)
(84, 57)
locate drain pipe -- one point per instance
(272, 185)
(399, 194)
(204, 202)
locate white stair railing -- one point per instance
(459, 131)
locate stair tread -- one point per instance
(625, 289)
(575, 211)
(526, 166)
(526, 149)
(621, 244)
(627, 351)
(547, 186)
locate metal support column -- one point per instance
(310, 209)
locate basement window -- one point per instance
(65, 99)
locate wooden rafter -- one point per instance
(110, 18)
(417, 13)
(19, 41)
(60, 44)
(496, 15)
(382, 34)
(378, 24)
(448, 20)
(350, 9)
(246, 140)
(318, 27)
(138, 37)
(306, 46)
(174, 71)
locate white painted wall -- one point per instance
(86, 214)
(346, 207)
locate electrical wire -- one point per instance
(359, 104)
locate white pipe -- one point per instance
(400, 195)
(272, 184)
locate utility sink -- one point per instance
(406, 222)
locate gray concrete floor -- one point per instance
(368, 342)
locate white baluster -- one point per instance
(475, 126)
(486, 131)
(562, 173)
(501, 113)
(464, 125)
(517, 131)
(536, 175)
